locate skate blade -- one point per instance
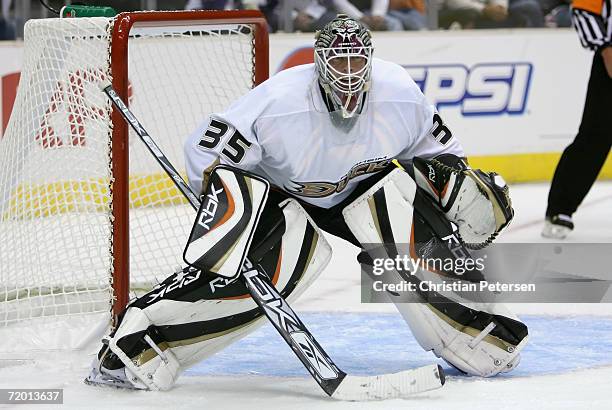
(99, 379)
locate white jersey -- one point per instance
(282, 130)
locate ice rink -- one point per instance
(567, 363)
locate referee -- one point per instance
(582, 160)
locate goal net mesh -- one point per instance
(56, 247)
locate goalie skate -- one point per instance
(118, 377)
(110, 378)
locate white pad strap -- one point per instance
(158, 370)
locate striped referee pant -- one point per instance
(582, 160)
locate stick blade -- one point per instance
(390, 386)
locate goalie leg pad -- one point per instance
(389, 199)
(192, 315)
(156, 370)
(480, 340)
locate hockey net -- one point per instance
(82, 224)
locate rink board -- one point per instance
(513, 97)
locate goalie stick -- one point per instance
(336, 383)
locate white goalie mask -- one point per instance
(343, 58)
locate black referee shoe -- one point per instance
(557, 226)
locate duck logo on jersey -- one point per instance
(323, 189)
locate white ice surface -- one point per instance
(337, 293)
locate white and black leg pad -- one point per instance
(192, 315)
(394, 195)
(482, 339)
(221, 235)
(478, 339)
(158, 369)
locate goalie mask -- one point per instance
(343, 58)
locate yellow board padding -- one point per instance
(154, 190)
(535, 167)
(30, 201)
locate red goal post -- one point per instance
(119, 68)
(87, 216)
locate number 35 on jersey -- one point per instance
(233, 148)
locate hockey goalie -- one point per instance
(349, 146)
